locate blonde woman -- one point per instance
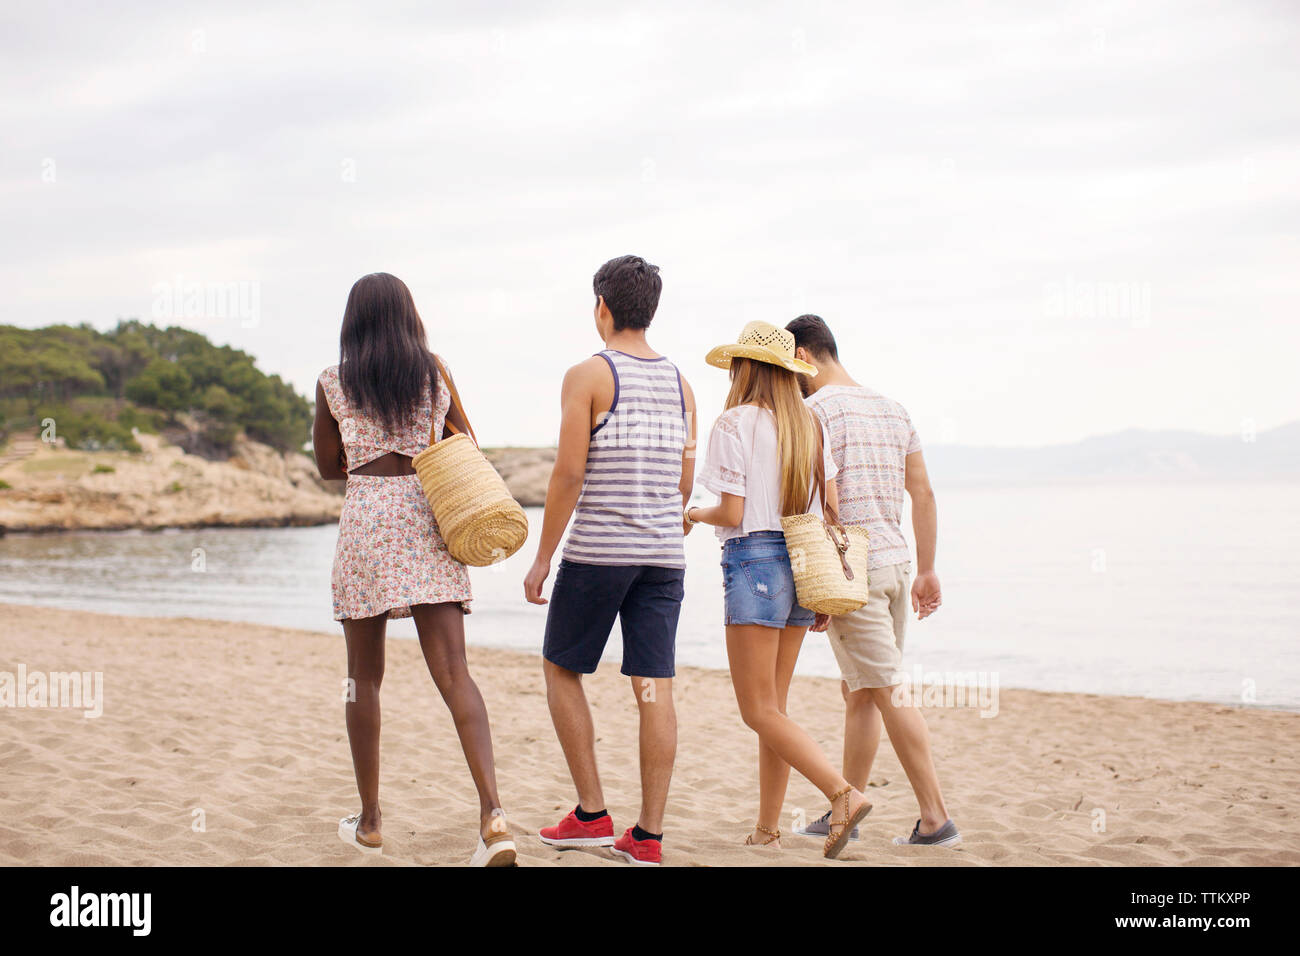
(767, 457)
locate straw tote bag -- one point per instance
(477, 517)
(830, 562)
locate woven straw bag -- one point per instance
(830, 562)
(477, 517)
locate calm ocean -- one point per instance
(1188, 591)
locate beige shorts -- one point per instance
(868, 642)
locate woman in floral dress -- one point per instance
(375, 410)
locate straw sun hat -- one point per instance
(761, 342)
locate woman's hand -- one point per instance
(822, 622)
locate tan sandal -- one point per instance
(836, 842)
(773, 837)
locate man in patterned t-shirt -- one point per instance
(879, 456)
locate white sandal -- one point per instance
(499, 848)
(348, 834)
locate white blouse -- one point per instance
(744, 459)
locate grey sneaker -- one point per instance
(946, 835)
(821, 827)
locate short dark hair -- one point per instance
(630, 287)
(812, 333)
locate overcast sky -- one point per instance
(1029, 222)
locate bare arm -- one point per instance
(327, 443)
(687, 484)
(926, 593)
(567, 474)
(727, 513)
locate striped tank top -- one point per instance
(630, 509)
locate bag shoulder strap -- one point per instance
(455, 407)
(819, 475)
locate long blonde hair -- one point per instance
(773, 387)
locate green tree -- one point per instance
(161, 384)
(137, 375)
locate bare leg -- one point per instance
(576, 732)
(773, 772)
(752, 653)
(365, 642)
(911, 739)
(442, 639)
(654, 699)
(862, 725)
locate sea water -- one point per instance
(1174, 590)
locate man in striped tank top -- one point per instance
(623, 471)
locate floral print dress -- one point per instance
(389, 555)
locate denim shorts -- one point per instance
(760, 584)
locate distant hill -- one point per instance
(1132, 454)
(97, 390)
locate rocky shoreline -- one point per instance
(526, 471)
(50, 489)
(293, 521)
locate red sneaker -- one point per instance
(573, 832)
(638, 852)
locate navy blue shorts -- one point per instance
(587, 597)
(759, 582)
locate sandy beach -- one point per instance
(224, 744)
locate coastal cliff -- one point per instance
(47, 488)
(57, 489)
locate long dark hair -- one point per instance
(385, 366)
